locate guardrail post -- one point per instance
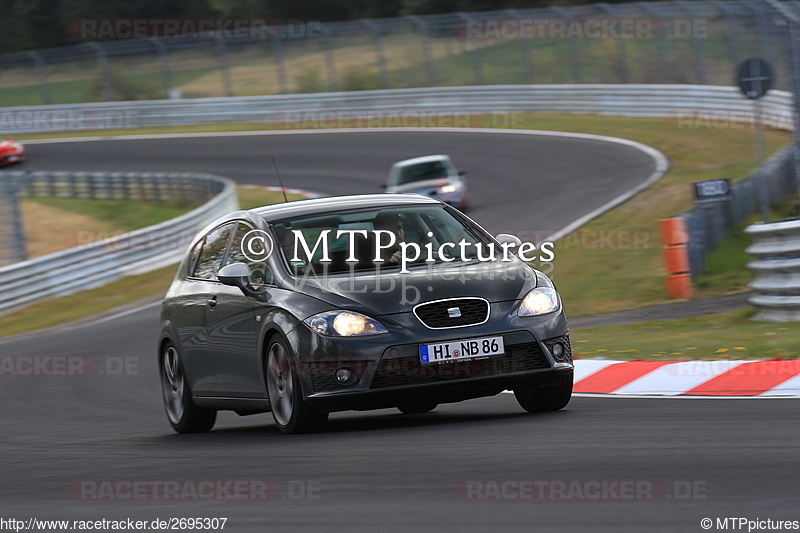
(379, 56)
(105, 74)
(41, 71)
(622, 57)
(524, 50)
(426, 52)
(574, 56)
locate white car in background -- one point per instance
(432, 175)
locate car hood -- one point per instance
(392, 292)
(417, 186)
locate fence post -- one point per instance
(277, 51)
(41, 70)
(622, 56)
(666, 75)
(426, 52)
(524, 50)
(475, 51)
(698, 50)
(163, 59)
(330, 60)
(105, 75)
(733, 39)
(575, 59)
(227, 86)
(379, 56)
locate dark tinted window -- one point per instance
(260, 269)
(214, 246)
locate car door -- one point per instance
(232, 326)
(190, 311)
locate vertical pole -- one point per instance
(475, 52)
(666, 75)
(105, 75)
(426, 52)
(224, 67)
(41, 70)
(277, 51)
(330, 60)
(700, 69)
(379, 56)
(575, 59)
(762, 178)
(163, 59)
(524, 50)
(622, 56)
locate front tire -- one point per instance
(541, 398)
(289, 410)
(183, 415)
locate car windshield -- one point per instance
(366, 240)
(430, 170)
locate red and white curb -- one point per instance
(301, 192)
(688, 378)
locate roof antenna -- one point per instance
(283, 189)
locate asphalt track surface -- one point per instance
(686, 459)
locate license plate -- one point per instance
(459, 350)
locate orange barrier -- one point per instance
(676, 257)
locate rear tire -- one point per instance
(417, 408)
(183, 415)
(541, 398)
(289, 410)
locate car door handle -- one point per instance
(212, 302)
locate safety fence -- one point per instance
(776, 270)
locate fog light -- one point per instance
(344, 376)
(558, 350)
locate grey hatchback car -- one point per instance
(355, 303)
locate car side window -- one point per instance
(260, 269)
(215, 244)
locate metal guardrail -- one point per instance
(94, 264)
(776, 268)
(687, 105)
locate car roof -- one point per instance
(423, 159)
(319, 206)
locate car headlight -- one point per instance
(539, 301)
(447, 188)
(344, 324)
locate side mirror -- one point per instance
(503, 238)
(237, 275)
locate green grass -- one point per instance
(724, 336)
(117, 214)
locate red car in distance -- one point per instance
(11, 152)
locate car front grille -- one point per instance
(407, 370)
(439, 314)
